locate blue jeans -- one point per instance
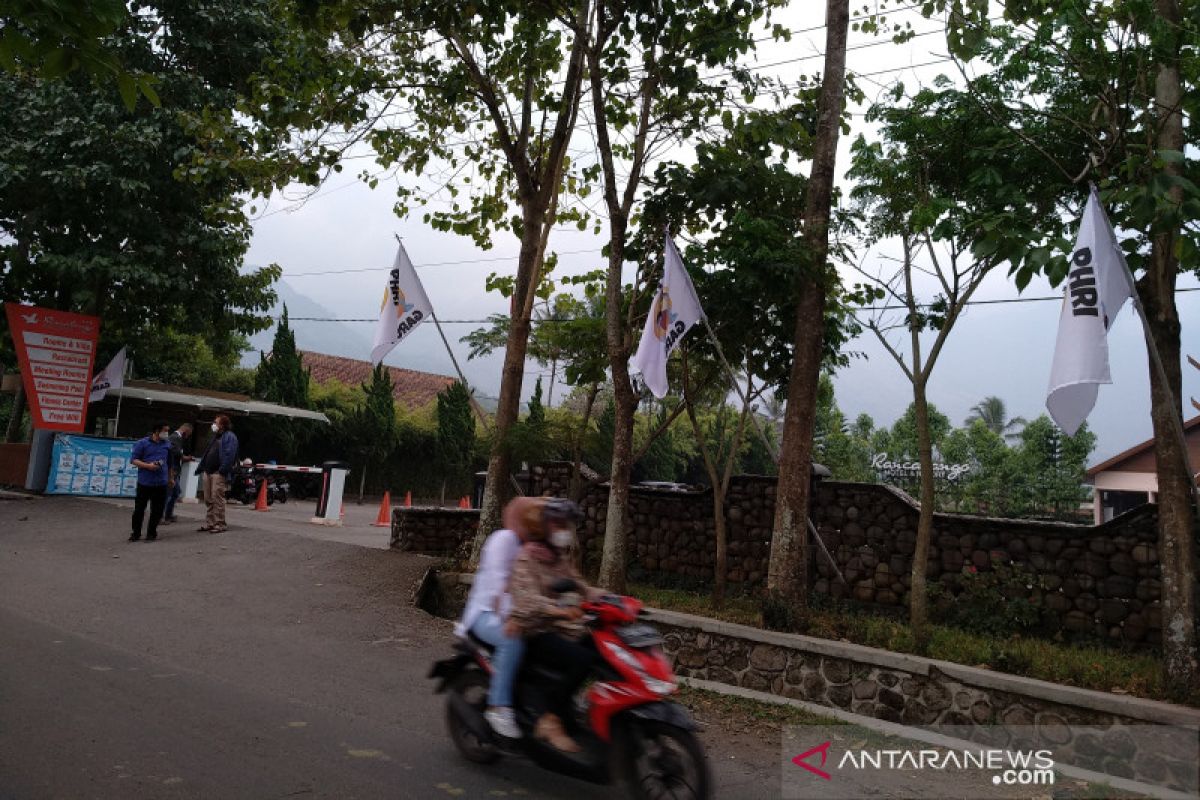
(505, 661)
(172, 495)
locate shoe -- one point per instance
(167, 521)
(218, 529)
(549, 729)
(204, 529)
(136, 537)
(152, 538)
(503, 721)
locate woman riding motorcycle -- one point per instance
(488, 605)
(553, 632)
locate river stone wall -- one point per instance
(1091, 581)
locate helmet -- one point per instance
(246, 462)
(559, 509)
(524, 516)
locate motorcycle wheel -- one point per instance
(664, 762)
(472, 686)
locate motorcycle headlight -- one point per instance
(655, 685)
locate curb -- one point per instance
(921, 735)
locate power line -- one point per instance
(349, 270)
(536, 321)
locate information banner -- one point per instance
(91, 466)
(56, 351)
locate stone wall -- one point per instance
(939, 696)
(1097, 581)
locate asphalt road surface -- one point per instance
(258, 663)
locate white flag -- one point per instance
(111, 377)
(1097, 287)
(676, 309)
(405, 306)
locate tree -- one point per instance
(135, 215)
(281, 376)
(787, 571)
(646, 91)
(455, 438)
(481, 99)
(1090, 90)
(918, 184)
(370, 428)
(992, 412)
(54, 38)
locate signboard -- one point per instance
(56, 351)
(897, 470)
(90, 466)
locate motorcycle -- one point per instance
(244, 486)
(631, 734)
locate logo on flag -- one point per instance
(662, 314)
(404, 306)
(675, 309)
(1098, 285)
(111, 377)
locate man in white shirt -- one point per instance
(488, 604)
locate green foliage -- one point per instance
(902, 438)
(455, 438)
(994, 414)
(281, 377)
(740, 202)
(53, 38)
(996, 601)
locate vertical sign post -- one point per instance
(56, 351)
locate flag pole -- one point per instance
(121, 396)
(1155, 356)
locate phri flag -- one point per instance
(405, 306)
(1098, 285)
(111, 377)
(676, 309)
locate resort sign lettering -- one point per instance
(912, 469)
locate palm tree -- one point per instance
(992, 412)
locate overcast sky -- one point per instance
(344, 232)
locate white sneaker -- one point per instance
(503, 722)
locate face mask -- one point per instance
(215, 428)
(563, 539)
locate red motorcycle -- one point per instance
(630, 733)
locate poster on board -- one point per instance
(90, 466)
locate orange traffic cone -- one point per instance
(408, 499)
(261, 503)
(464, 502)
(384, 520)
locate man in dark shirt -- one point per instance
(217, 467)
(176, 442)
(151, 456)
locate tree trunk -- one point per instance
(1176, 526)
(362, 482)
(718, 490)
(496, 491)
(787, 574)
(613, 561)
(918, 606)
(576, 490)
(13, 434)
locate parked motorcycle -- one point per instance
(244, 486)
(630, 733)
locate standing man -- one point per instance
(175, 443)
(152, 458)
(217, 466)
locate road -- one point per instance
(266, 662)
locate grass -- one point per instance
(1087, 667)
(737, 713)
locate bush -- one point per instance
(995, 602)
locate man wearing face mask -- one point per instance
(551, 623)
(216, 465)
(151, 456)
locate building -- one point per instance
(412, 389)
(1129, 479)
